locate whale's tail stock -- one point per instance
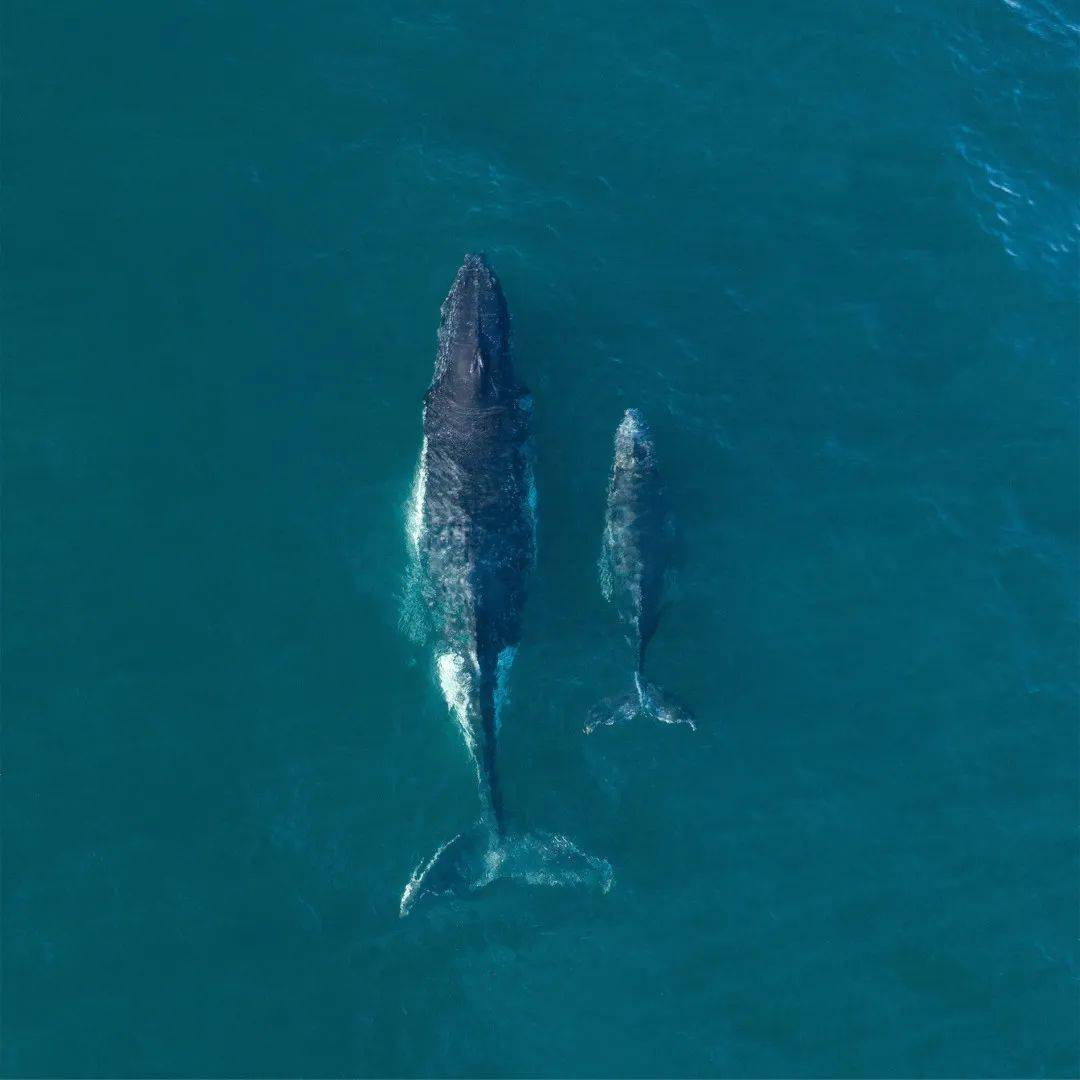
(647, 700)
(483, 854)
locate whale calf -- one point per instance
(633, 564)
(472, 530)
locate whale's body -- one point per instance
(474, 536)
(477, 538)
(634, 560)
(634, 555)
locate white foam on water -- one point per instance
(493, 861)
(632, 431)
(414, 508)
(1033, 218)
(412, 616)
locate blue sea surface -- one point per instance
(829, 250)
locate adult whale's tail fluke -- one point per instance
(647, 700)
(481, 855)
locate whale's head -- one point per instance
(633, 443)
(474, 364)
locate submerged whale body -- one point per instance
(633, 564)
(473, 533)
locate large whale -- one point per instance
(633, 565)
(473, 536)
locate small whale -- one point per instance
(633, 565)
(472, 532)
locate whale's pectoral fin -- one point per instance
(615, 710)
(479, 856)
(660, 706)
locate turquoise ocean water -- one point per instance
(830, 250)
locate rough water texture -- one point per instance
(829, 250)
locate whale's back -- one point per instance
(636, 530)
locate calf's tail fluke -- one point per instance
(647, 700)
(482, 855)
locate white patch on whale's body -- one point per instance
(502, 682)
(413, 617)
(456, 680)
(607, 573)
